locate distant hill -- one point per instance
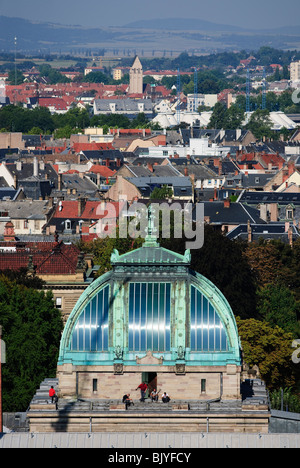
(34, 35)
(180, 24)
(174, 34)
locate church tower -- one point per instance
(136, 77)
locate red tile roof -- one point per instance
(104, 171)
(47, 257)
(91, 146)
(56, 102)
(92, 210)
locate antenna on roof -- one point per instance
(248, 91)
(263, 104)
(178, 97)
(195, 89)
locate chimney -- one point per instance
(150, 166)
(220, 168)
(59, 182)
(249, 231)
(263, 212)
(291, 168)
(15, 181)
(186, 172)
(215, 194)
(290, 236)
(81, 205)
(9, 232)
(273, 208)
(227, 203)
(35, 167)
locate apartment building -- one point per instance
(295, 71)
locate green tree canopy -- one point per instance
(31, 330)
(277, 306)
(260, 124)
(270, 348)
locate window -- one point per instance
(149, 316)
(95, 385)
(58, 302)
(289, 214)
(67, 224)
(203, 385)
(36, 225)
(91, 330)
(25, 224)
(207, 331)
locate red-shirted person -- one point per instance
(52, 395)
(143, 387)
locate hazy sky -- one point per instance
(98, 13)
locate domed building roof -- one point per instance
(151, 301)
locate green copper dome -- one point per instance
(151, 301)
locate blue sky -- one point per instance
(100, 13)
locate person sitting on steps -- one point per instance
(165, 398)
(154, 395)
(127, 400)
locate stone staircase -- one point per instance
(254, 396)
(41, 399)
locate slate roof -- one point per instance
(237, 213)
(181, 185)
(26, 209)
(263, 231)
(256, 181)
(112, 154)
(282, 198)
(123, 106)
(9, 193)
(26, 170)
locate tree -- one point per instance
(32, 329)
(16, 78)
(101, 249)
(234, 118)
(260, 124)
(222, 262)
(96, 77)
(284, 397)
(277, 306)
(264, 261)
(270, 348)
(161, 193)
(218, 117)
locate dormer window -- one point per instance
(289, 214)
(67, 225)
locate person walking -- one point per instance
(52, 395)
(143, 388)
